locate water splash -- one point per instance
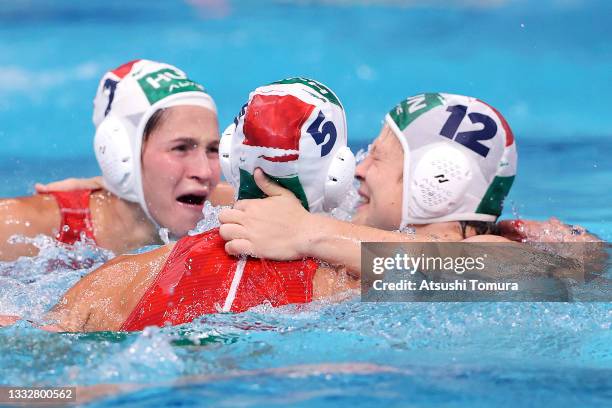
(30, 285)
(150, 357)
(164, 235)
(210, 220)
(52, 256)
(346, 209)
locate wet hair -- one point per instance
(154, 122)
(480, 227)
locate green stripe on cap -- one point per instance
(165, 82)
(407, 111)
(319, 88)
(493, 200)
(248, 188)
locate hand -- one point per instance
(69, 184)
(273, 227)
(552, 230)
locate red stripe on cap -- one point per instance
(281, 159)
(275, 121)
(509, 134)
(124, 69)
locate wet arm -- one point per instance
(333, 284)
(551, 230)
(339, 243)
(103, 299)
(27, 216)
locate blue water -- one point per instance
(546, 65)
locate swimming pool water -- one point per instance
(545, 65)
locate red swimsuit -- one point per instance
(75, 213)
(200, 278)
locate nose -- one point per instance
(199, 168)
(362, 169)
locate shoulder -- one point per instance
(102, 299)
(73, 310)
(133, 274)
(222, 194)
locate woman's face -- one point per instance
(180, 166)
(380, 175)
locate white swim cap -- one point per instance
(459, 158)
(295, 131)
(127, 97)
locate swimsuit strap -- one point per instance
(75, 215)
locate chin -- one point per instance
(180, 232)
(359, 218)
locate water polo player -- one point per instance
(295, 130)
(442, 165)
(157, 145)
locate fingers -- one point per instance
(241, 205)
(62, 185)
(511, 225)
(232, 231)
(40, 188)
(512, 229)
(268, 186)
(239, 247)
(231, 216)
(92, 183)
(95, 182)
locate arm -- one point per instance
(92, 183)
(104, 299)
(279, 228)
(27, 216)
(8, 320)
(551, 230)
(333, 283)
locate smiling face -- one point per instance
(180, 166)
(380, 176)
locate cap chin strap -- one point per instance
(339, 177)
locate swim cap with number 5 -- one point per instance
(295, 131)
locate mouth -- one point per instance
(196, 200)
(363, 199)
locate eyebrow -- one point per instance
(190, 140)
(195, 142)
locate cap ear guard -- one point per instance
(114, 155)
(225, 156)
(457, 166)
(340, 175)
(439, 180)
